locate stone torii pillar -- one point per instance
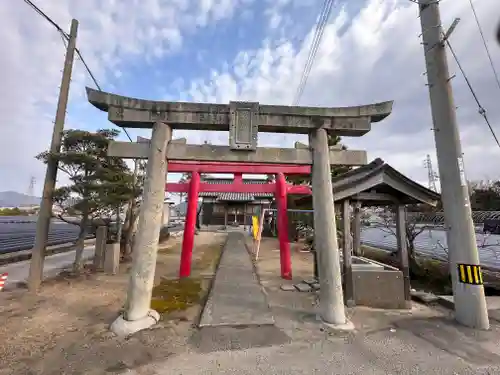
(325, 233)
(138, 315)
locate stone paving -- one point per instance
(237, 298)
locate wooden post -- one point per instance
(100, 246)
(189, 227)
(356, 247)
(45, 213)
(285, 257)
(403, 252)
(346, 245)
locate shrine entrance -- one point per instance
(279, 187)
(244, 121)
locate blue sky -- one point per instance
(222, 50)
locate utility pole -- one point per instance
(468, 291)
(45, 214)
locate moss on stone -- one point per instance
(176, 295)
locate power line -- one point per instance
(481, 110)
(65, 37)
(484, 43)
(47, 18)
(318, 35)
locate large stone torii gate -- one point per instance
(243, 120)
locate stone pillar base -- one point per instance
(124, 328)
(348, 326)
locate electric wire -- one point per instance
(481, 110)
(65, 38)
(478, 23)
(318, 35)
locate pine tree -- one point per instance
(98, 184)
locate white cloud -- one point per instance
(377, 57)
(365, 57)
(113, 35)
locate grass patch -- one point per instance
(176, 295)
(209, 258)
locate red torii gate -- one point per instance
(280, 188)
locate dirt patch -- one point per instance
(64, 329)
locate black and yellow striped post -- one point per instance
(470, 274)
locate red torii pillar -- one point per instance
(281, 199)
(189, 225)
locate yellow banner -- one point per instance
(255, 226)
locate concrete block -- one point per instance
(303, 287)
(112, 258)
(310, 281)
(287, 287)
(424, 297)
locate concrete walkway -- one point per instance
(237, 298)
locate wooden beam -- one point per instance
(270, 188)
(176, 166)
(208, 153)
(373, 196)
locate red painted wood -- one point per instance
(189, 226)
(176, 166)
(285, 257)
(176, 187)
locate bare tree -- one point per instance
(413, 229)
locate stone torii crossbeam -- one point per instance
(243, 120)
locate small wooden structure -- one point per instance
(376, 184)
(221, 208)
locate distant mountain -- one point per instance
(14, 199)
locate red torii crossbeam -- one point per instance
(175, 166)
(235, 187)
(279, 188)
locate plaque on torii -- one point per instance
(243, 120)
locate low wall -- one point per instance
(378, 285)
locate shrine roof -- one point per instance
(243, 197)
(377, 183)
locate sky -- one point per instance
(222, 50)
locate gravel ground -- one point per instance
(64, 329)
(423, 341)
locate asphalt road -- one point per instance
(19, 271)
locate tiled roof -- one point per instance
(235, 196)
(228, 181)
